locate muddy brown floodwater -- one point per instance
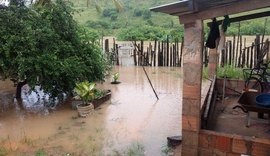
(133, 117)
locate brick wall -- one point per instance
(219, 144)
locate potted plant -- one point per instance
(100, 97)
(85, 90)
(115, 78)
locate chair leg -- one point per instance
(269, 118)
(260, 115)
(248, 120)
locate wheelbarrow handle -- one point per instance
(241, 107)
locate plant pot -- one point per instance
(85, 109)
(97, 102)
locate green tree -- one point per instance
(45, 46)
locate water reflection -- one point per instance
(132, 115)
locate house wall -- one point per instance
(233, 86)
(220, 144)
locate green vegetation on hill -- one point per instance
(136, 17)
(136, 14)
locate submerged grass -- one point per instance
(166, 150)
(40, 152)
(3, 151)
(136, 149)
(28, 141)
(73, 137)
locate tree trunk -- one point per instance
(19, 89)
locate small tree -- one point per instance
(45, 46)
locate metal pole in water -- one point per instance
(150, 83)
(223, 93)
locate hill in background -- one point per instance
(107, 21)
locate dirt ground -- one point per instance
(233, 121)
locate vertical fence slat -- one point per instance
(169, 54)
(233, 50)
(181, 52)
(247, 61)
(230, 53)
(168, 51)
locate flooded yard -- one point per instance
(133, 120)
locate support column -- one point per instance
(192, 54)
(212, 64)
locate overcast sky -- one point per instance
(4, 2)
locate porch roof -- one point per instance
(190, 10)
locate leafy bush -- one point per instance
(114, 17)
(85, 90)
(230, 72)
(108, 12)
(137, 12)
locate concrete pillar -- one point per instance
(212, 64)
(192, 67)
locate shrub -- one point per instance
(230, 72)
(137, 12)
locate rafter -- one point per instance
(233, 8)
(245, 17)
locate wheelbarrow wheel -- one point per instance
(253, 84)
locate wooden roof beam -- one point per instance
(237, 7)
(245, 17)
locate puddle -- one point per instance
(132, 116)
